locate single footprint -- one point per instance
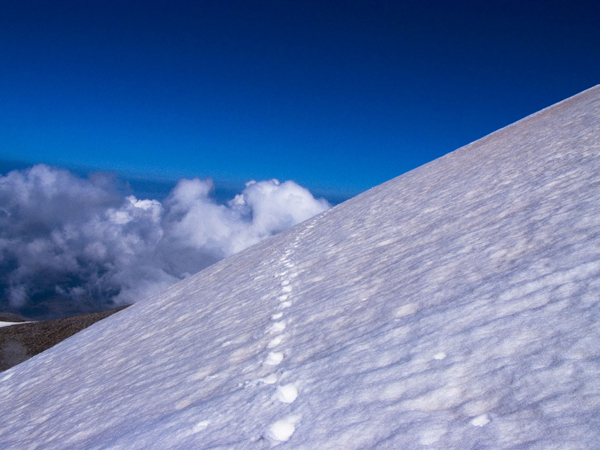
(287, 393)
(481, 421)
(269, 379)
(274, 358)
(277, 327)
(275, 342)
(200, 426)
(283, 429)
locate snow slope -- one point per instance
(456, 306)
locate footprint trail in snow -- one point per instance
(282, 429)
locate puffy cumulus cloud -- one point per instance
(70, 245)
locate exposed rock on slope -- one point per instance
(20, 342)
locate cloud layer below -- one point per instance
(70, 245)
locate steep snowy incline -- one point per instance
(454, 307)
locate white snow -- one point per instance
(7, 324)
(454, 307)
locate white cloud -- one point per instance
(69, 244)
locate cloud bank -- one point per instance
(70, 245)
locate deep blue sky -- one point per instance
(337, 95)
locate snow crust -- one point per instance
(456, 306)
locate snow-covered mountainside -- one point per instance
(454, 307)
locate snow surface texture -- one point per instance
(454, 307)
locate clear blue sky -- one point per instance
(338, 96)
